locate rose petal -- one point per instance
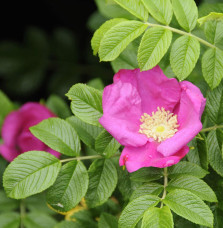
(135, 158)
(11, 128)
(156, 90)
(27, 142)
(122, 112)
(189, 112)
(9, 153)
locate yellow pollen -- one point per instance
(160, 126)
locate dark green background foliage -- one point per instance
(47, 57)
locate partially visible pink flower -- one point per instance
(153, 116)
(16, 135)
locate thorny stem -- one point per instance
(165, 174)
(182, 33)
(211, 128)
(22, 213)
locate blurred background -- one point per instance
(45, 46)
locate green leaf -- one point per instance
(147, 174)
(127, 59)
(30, 173)
(118, 37)
(214, 144)
(9, 220)
(193, 155)
(38, 220)
(147, 189)
(7, 204)
(69, 188)
(67, 224)
(96, 83)
(186, 13)
(99, 33)
(58, 106)
(102, 182)
(184, 55)
(135, 7)
(186, 168)
(6, 106)
(87, 132)
(107, 221)
(214, 31)
(58, 135)
(206, 8)
(212, 67)
(111, 9)
(210, 17)
(158, 218)
(214, 105)
(194, 185)
(161, 10)
(106, 145)
(135, 210)
(189, 206)
(86, 103)
(154, 44)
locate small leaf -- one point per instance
(107, 221)
(58, 106)
(135, 7)
(38, 220)
(186, 13)
(158, 218)
(87, 132)
(135, 210)
(118, 37)
(58, 135)
(7, 204)
(214, 31)
(106, 145)
(9, 220)
(214, 105)
(67, 224)
(147, 189)
(147, 174)
(154, 44)
(184, 55)
(210, 17)
(214, 144)
(69, 188)
(212, 67)
(127, 59)
(161, 10)
(189, 206)
(102, 182)
(194, 185)
(186, 168)
(30, 173)
(99, 33)
(86, 103)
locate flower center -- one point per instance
(160, 126)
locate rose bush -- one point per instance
(153, 116)
(16, 135)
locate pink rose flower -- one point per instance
(16, 135)
(153, 116)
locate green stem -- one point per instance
(182, 33)
(22, 213)
(165, 174)
(211, 128)
(82, 158)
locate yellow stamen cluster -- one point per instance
(160, 125)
